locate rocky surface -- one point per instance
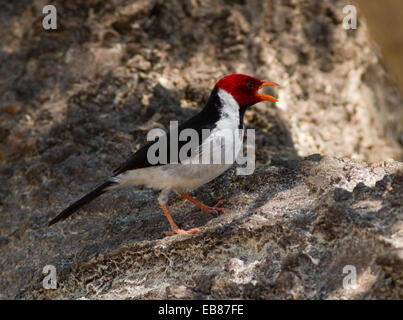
(290, 230)
(75, 102)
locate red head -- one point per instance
(245, 89)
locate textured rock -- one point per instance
(113, 65)
(288, 233)
(75, 102)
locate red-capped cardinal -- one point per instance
(223, 112)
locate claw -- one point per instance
(203, 207)
(215, 209)
(180, 231)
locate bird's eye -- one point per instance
(250, 84)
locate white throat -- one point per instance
(229, 117)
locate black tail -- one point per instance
(79, 203)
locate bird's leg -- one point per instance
(163, 199)
(203, 207)
(174, 227)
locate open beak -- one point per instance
(266, 97)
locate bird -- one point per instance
(223, 112)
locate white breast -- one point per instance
(223, 144)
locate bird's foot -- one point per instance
(215, 209)
(181, 231)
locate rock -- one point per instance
(11, 109)
(282, 241)
(335, 97)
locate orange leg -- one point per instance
(203, 207)
(174, 227)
